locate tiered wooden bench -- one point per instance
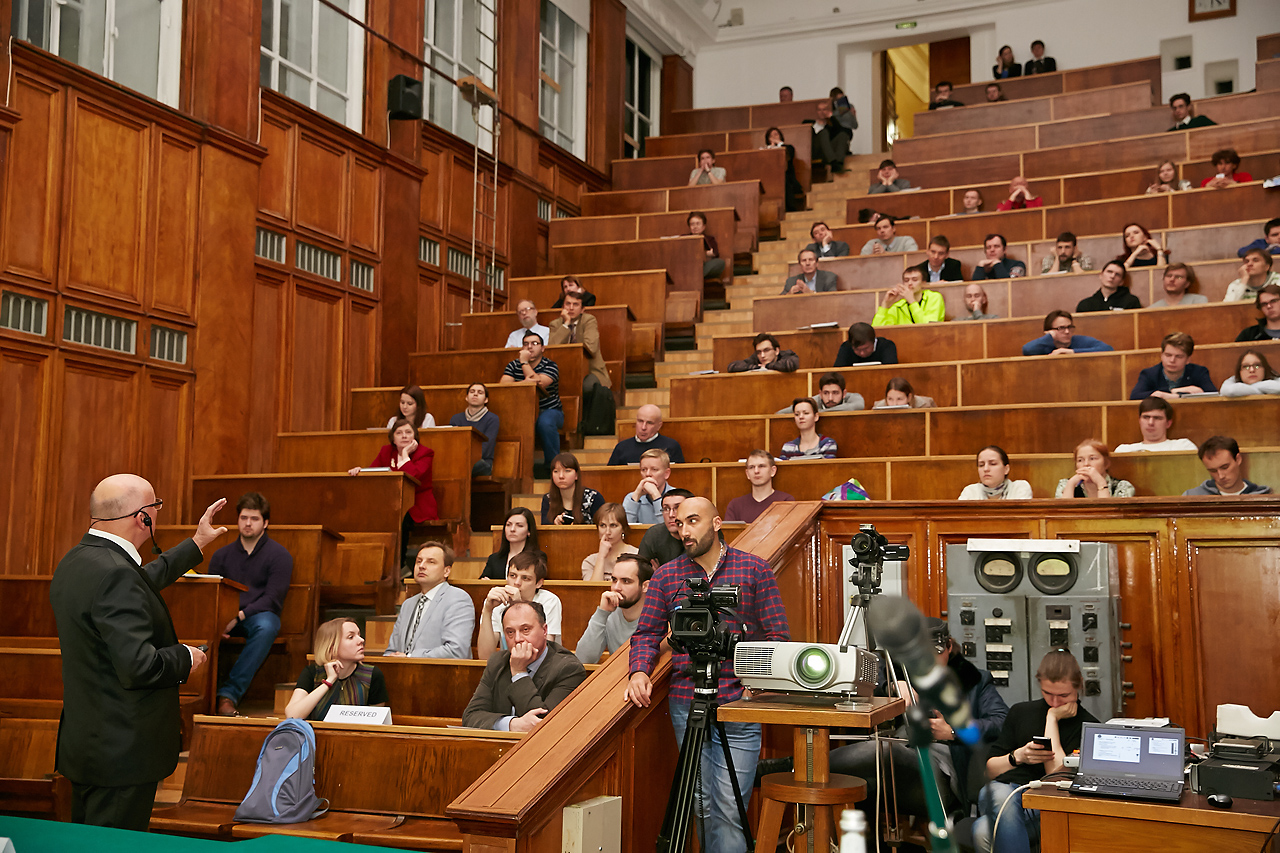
(1146, 69)
(744, 196)
(1123, 97)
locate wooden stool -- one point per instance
(779, 789)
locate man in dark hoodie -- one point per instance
(1222, 459)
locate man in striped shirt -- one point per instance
(762, 617)
(531, 366)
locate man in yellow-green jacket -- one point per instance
(908, 303)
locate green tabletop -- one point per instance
(47, 836)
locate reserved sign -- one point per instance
(369, 716)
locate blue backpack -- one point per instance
(284, 783)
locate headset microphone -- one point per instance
(146, 519)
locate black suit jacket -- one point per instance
(121, 663)
(551, 684)
(1047, 65)
(950, 270)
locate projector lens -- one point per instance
(814, 668)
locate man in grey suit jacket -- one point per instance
(811, 279)
(121, 659)
(439, 620)
(521, 684)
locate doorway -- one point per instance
(907, 75)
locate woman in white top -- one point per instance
(993, 479)
(1167, 179)
(1253, 376)
(611, 524)
(413, 406)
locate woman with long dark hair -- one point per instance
(568, 502)
(413, 407)
(519, 533)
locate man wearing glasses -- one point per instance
(1059, 338)
(1268, 328)
(121, 659)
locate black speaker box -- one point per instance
(404, 97)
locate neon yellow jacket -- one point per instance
(930, 309)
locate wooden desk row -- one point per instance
(681, 257)
(744, 196)
(1083, 377)
(1069, 80)
(799, 136)
(768, 165)
(753, 116)
(979, 115)
(722, 226)
(615, 323)
(642, 291)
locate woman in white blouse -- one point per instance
(993, 479)
(611, 524)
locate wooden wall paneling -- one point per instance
(460, 209)
(366, 204)
(362, 343)
(606, 47)
(108, 182)
(321, 185)
(314, 361)
(26, 375)
(397, 279)
(434, 190)
(522, 229)
(677, 89)
(432, 333)
(165, 458)
(220, 49)
(280, 138)
(267, 410)
(171, 264)
(31, 217)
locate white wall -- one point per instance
(800, 43)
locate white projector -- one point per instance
(805, 668)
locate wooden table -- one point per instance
(1098, 825)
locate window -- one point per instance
(459, 41)
(315, 56)
(643, 84)
(562, 100)
(136, 43)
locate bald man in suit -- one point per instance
(121, 660)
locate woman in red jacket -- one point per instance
(405, 454)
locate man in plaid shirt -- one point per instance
(763, 618)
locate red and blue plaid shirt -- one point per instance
(760, 611)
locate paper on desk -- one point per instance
(1139, 722)
(1240, 720)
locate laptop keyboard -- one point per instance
(1139, 784)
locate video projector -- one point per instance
(805, 668)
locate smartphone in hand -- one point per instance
(1042, 742)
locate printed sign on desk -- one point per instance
(363, 714)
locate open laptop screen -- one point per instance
(1117, 751)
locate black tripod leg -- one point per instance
(737, 792)
(675, 821)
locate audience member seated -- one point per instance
(1254, 375)
(1268, 328)
(824, 245)
(569, 284)
(1065, 258)
(437, 621)
(785, 95)
(1226, 161)
(1254, 274)
(524, 683)
(1183, 117)
(773, 138)
(477, 415)
(568, 501)
(616, 618)
(761, 469)
(644, 504)
(713, 266)
(527, 313)
(832, 396)
(1112, 293)
(403, 453)
(972, 202)
(1268, 242)
(707, 172)
(1174, 376)
(830, 139)
(769, 356)
(810, 279)
(1155, 419)
(909, 303)
(1059, 338)
(519, 534)
(1016, 759)
(808, 445)
(1039, 63)
(532, 366)
(861, 346)
(975, 299)
(1139, 250)
(1221, 457)
(1020, 197)
(613, 527)
(648, 435)
(575, 327)
(995, 94)
(525, 577)
(1006, 66)
(942, 96)
(846, 115)
(1167, 179)
(939, 265)
(993, 479)
(898, 394)
(1178, 280)
(1091, 480)
(661, 543)
(413, 407)
(338, 676)
(887, 239)
(996, 264)
(889, 180)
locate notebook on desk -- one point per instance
(1139, 764)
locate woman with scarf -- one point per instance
(993, 479)
(339, 675)
(477, 415)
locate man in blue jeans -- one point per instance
(264, 566)
(531, 366)
(763, 618)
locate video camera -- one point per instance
(705, 625)
(870, 546)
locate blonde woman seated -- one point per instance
(1091, 480)
(1253, 375)
(993, 479)
(339, 675)
(898, 395)
(808, 445)
(611, 524)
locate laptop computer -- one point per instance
(1139, 764)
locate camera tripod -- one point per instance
(702, 714)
